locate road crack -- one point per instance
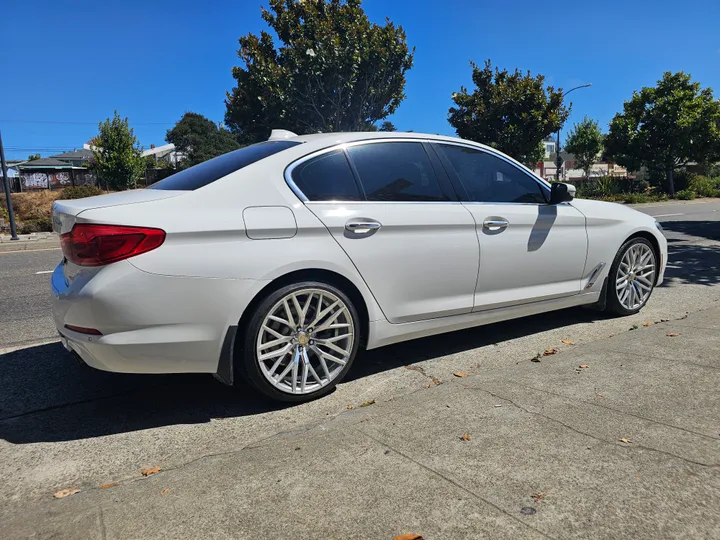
(454, 483)
(599, 439)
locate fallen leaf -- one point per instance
(164, 491)
(537, 497)
(435, 380)
(536, 358)
(148, 472)
(550, 351)
(106, 486)
(567, 342)
(368, 403)
(349, 406)
(672, 334)
(466, 437)
(626, 441)
(583, 366)
(409, 536)
(637, 476)
(65, 492)
(647, 324)
(460, 374)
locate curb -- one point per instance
(32, 245)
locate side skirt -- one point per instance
(384, 333)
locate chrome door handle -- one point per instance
(495, 224)
(364, 226)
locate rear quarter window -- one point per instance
(213, 169)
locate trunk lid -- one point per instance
(65, 212)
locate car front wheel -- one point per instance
(632, 277)
(300, 342)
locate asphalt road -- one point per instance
(63, 425)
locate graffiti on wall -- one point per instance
(60, 179)
(36, 180)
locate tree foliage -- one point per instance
(585, 142)
(199, 139)
(335, 71)
(665, 127)
(512, 112)
(116, 155)
(33, 157)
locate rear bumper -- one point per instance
(149, 323)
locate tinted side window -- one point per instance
(213, 169)
(396, 171)
(327, 178)
(490, 179)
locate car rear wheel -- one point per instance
(632, 277)
(300, 342)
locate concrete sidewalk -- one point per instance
(619, 438)
(43, 240)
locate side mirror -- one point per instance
(561, 192)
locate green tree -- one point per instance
(33, 157)
(335, 71)
(512, 112)
(665, 127)
(585, 142)
(116, 155)
(199, 139)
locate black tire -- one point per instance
(246, 361)
(613, 301)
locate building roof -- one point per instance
(75, 155)
(159, 150)
(45, 163)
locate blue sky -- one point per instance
(77, 61)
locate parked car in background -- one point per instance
(279, 261)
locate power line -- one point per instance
(80, 123)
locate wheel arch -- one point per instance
(650, 237)
(311, 274)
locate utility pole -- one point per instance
(6, 184)
(558, 159)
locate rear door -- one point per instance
(529, 250)
(394, 213)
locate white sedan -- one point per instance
(278, 261)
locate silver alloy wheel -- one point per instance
(635, 276)
(305, 341)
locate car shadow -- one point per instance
(47, 396)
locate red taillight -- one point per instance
(95, 245)
(83, 330)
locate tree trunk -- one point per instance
(671, 183)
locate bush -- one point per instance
(685, 195)
(80, 192)
(703, 186)
(636, 198)
(35, 225)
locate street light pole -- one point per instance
(6, 184)
(558, 161)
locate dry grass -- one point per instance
(32, 205)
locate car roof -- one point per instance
(351, 136)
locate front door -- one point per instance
(415, 247)
(529, 250)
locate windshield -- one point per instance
(213, 169)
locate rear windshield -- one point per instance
(213, 169)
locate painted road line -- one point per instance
(44, 272)
(668, 215)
